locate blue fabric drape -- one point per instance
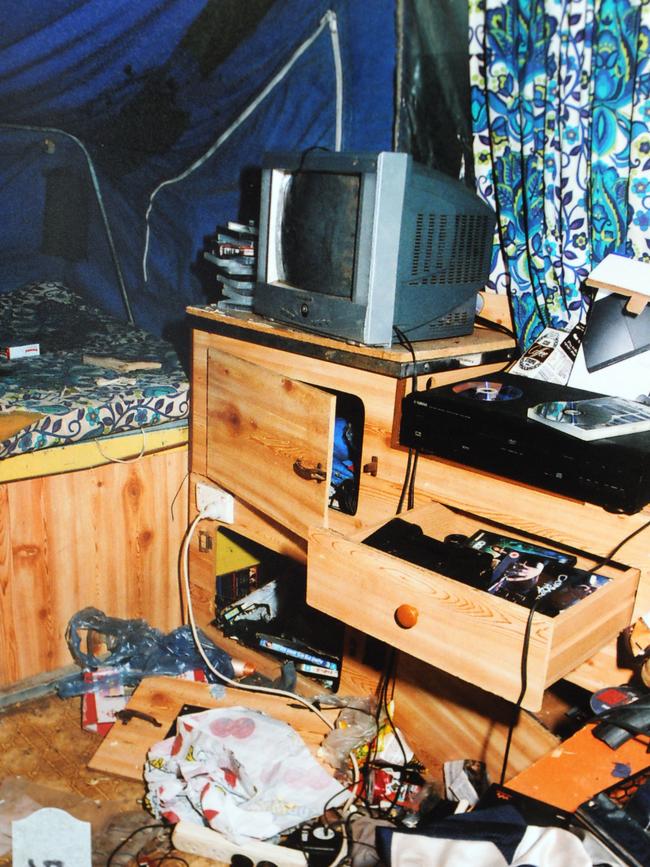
(561, 125)
(146, 91)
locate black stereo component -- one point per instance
(484, 425)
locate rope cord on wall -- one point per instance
(328, 20)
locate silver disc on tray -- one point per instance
(487, 390)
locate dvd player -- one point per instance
(484, 425)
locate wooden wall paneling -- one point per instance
(8, 636)
(70, 540)
(33, 587)
(169, 505)
(117, 504)
(101, 537)
(140, 562)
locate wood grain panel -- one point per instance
(446, 718)
(440, 728)
(199, 391)
(365, 588)
(259, 425)
(482, 339)
(33, 591)
(102, 537)
(549, 516)
(8, 635)
(378, 392)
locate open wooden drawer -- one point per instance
(465, 631)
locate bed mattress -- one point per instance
(95, 375)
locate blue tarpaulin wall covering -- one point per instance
(150, 119)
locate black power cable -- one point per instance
(522, 692)
(524, 653)
(408, 486)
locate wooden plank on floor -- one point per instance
(124, 749)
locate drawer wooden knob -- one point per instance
(406, 616)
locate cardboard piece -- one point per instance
(625, 277)
(614, 357)
(12, 422)
(577, 769)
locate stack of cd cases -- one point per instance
(233, 253)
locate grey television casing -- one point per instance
(422, 252)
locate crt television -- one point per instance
(369, 247)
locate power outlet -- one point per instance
(215, 502)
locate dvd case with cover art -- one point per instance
(528, 574)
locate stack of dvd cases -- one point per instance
(233, 253)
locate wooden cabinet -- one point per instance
(269, 440)
(263, 407)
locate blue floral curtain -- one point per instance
(561, 126)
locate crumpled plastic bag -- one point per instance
(240, 771)
(354, 729)
(132, 649)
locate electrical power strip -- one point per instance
(198, 840)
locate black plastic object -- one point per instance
(319, 843)
(407, 541)
(620, 817)
(618, 724)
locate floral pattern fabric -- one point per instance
(78, 400)
(561, 125)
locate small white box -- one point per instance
(28, 349)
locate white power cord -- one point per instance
(204, 514)
(347, 807)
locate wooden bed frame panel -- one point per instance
(107, 537)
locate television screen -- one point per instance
(319, 225)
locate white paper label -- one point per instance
(51, 838)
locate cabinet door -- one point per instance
(269, 440)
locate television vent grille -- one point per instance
(449, 248)
(454, 318)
